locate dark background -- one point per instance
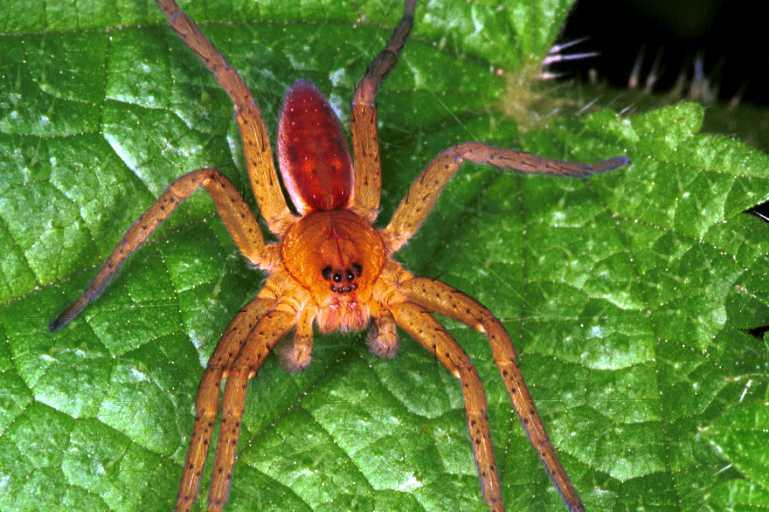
(732, 36)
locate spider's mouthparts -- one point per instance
(344, 289)
(342, 315)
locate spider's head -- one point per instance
(342, 280)
(341, 306)
(337, 256)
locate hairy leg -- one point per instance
(441, 298)
(368, 178)
(263, 338)
(233, 210)
(297, 355)
(383, 335)
(256, 138)
(426, 331)
(424, 192)
(208, 395)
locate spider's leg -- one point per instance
(368, 178)
(441, 298)
(261, 341)
(383, 335)
(296, 355)
(425, 330)
(426, 189)
(208, 395)
(257, 151)
(232, 209)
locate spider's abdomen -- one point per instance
(314, 159)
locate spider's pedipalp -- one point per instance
(262, 339)
(424, 192)
(296, 354)
(425, 330)
(383, 335)
(441, 298)
(232, 209)
(208, 396)
(368, 179)
(257, 150)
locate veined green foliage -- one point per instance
(628, 295)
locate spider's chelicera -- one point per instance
(330, 267)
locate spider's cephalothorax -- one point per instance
(337, 256)
(330, 267)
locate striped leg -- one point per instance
(443, 299)
(232, 209)
(263, 338)
(256, 138)
(426, 331)
(368, 179)
(424, 192)
(208, 396)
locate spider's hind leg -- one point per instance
(257, 151)
(368, 179)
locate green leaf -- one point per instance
(629, 295)
(742, 435)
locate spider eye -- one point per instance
(326, 272)
(350, 276)
(357, 268)
(337, 277)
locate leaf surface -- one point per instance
(629, 295)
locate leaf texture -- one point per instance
(630, 296)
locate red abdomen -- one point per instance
(314, 160)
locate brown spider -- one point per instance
(330, 267)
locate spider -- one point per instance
(330, 267)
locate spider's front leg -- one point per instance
(425, 330)
(206, 403)
(262, 339)
(441, 298)
(424, 192)
(232, 209)
(368, 179)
